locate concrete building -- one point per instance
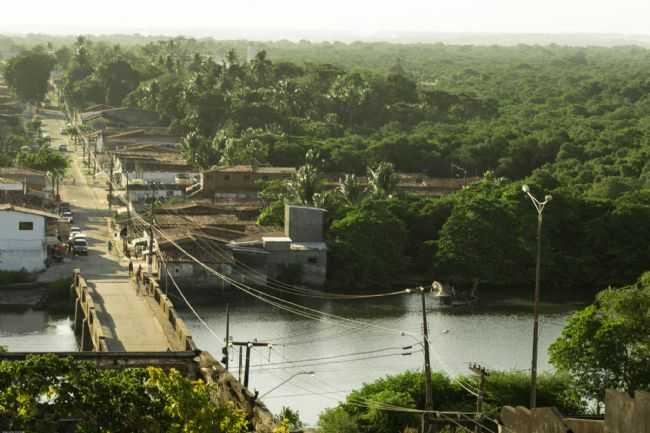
(150, 163)
(23, 238)
(122, 117)
(112, 139)
(33, 180)
(239, 181)
(298, 257)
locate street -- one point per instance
(127, 318)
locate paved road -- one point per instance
(128, 322)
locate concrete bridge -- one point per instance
(113, 315)
(104, 325)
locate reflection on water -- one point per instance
(34, 331)
(499, 339)
(342, 358)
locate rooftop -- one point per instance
(250, 169)
(155, 153)
(12, 208)
(18, 171)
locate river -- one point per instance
(498, 337)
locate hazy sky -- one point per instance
(357, 16)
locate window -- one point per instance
(312, 260)
(25, 225)
(226, 177)
(247, 177)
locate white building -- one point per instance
(23, 238)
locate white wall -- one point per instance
(22, 248)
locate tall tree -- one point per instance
(607, 344)
(28, 73)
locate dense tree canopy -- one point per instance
(607, 345)
(39, 394)
(362, 412)
(28, 74)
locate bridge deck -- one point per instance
(127, 319)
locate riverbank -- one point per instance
(51, 296)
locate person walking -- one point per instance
(138, 275)
(110, 246)
(130, 268)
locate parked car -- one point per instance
(63, 148)
(67, 215)
(80, 246)
(76, 235)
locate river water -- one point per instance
(341, 358)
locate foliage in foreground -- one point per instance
(361, 413)
(36, 394)
(607, 344)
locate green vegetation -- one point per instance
(361, 413)
(41, 392)
(607, 345)
(571, 122)
(28, 73)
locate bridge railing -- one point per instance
(90, 311)
(168, 312)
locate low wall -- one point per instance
(167, 315)
(87, 325)
(625, 414)
(544, 420)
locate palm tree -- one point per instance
(350, 188)
(382, 180)
(305, 185)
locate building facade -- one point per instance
(23, 238)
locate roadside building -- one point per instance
(115, 139)
(140, 193)
(32, 180)
(299, 255)
(120, 117)
(239, 181)
(150, 163)
(23, 238)
(10, 188)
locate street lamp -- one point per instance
(300, 373)
(539, 206)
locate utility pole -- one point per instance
(482, 374)
(249, 345)
(128, 200)
(153, 200)
(240, 359)
(225, 358)
(428, 397)
(110, 186)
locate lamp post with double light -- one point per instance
(539, 206)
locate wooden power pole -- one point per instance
(249, 345)
(428, 398)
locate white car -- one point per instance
(67, 215)
(77, 235)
